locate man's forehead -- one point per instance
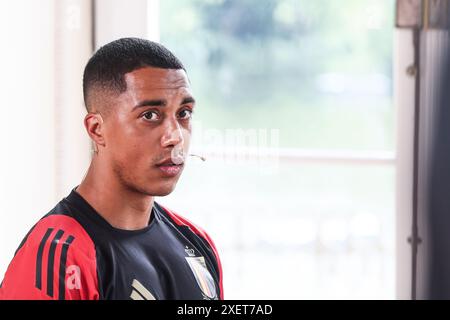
(149, 78)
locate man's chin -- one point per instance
(162, 191)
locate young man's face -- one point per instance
(148, 131)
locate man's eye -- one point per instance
(185, 114)
(150, 116)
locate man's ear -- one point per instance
(93, 122)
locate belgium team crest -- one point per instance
(203, 277)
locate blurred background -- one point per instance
(305, 115)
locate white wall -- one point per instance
(27, 178)
(44, 150)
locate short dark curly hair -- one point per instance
(105, 70)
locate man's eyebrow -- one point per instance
(151, 103)
(160, 102)
(188, 100)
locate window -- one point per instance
(295, 116)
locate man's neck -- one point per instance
(122, 208)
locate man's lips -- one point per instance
(170, 169)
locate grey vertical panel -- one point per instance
(434, 50)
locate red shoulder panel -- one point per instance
(56, 262)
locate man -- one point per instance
(109, 239)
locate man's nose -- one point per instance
(172, 135)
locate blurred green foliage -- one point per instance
(259, 64)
